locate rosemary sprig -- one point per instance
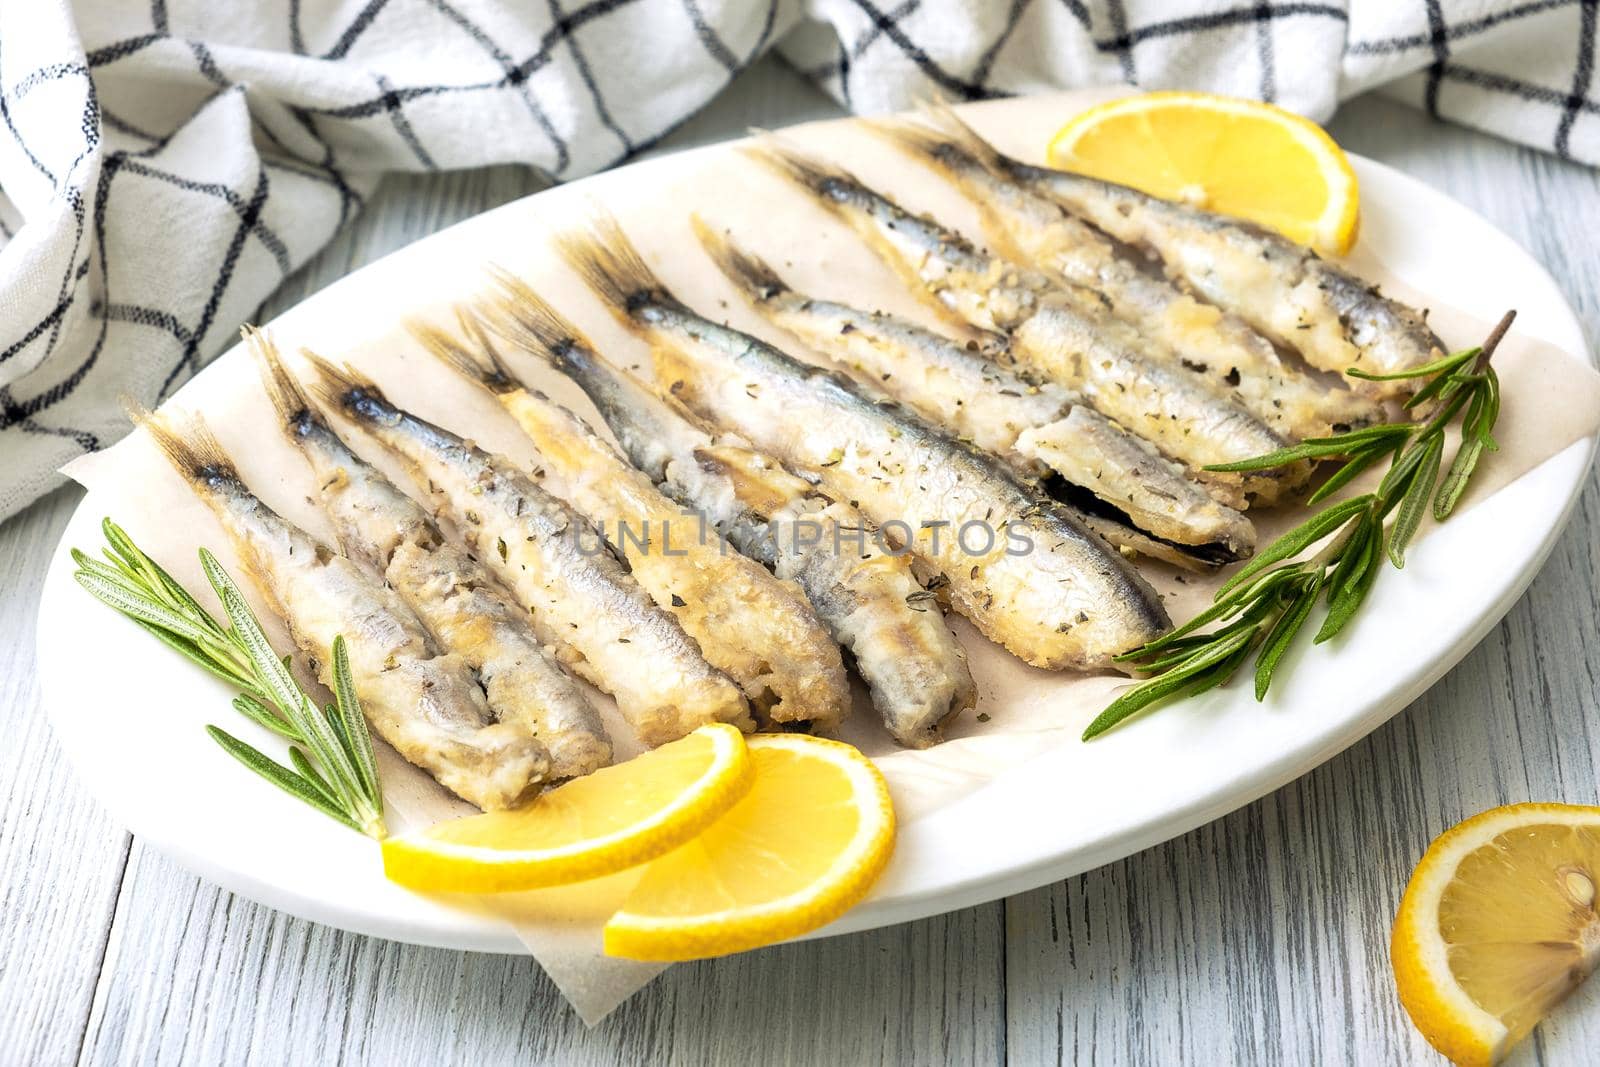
(330, 750)
(1263, 607)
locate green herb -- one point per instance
(331, 750)
(1263, 607)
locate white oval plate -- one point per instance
(1151, 780)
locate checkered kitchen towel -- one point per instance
(164, 163)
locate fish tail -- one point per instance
(288, 397)
(613, 268)
(949, 134)
(528, 320)
(346, 389)
(188, 443)
(754, 277)
(831, 185)
(808, 173)
(469, 351)
(921, 141)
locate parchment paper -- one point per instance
(1552, 399)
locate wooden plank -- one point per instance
(60, 856)
(195, 974)
(1264, 937)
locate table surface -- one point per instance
(1259, 938)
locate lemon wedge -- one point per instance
(802, 847)
(1236, 157)
(611, 819)
(1498, 926)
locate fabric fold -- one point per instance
(164, 166)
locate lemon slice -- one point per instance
(1236, 157)
(1498, 925)
(803, 846)
(613, 818)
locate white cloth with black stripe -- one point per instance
(164, 164)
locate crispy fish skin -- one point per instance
(914, 667)
(1037, 427)
(870, 601)
(423, 702)
(1061, 331)
(1034, 228)
(557, 564)
(468, 612)
(958, 385)
(1088, 450)
(1064, 341)
(1334, 319)
(1035, 580)
(759, 630)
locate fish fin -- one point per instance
(469, 351)
(288, 397)
(809, 174)
(915, 139)
(199, 458)
(611, 266)
(864, 210)
(344, 388)
(523, 317)
(949, 130)
(187, 442)
(753, 276)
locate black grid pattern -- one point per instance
(135, 237)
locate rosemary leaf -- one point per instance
(138, 605)
(1477, 438)
(333, 766)
(1428, 392)
(1300, 538)
(167, 587)
(1491, 413)
(285, 691)
(1455, 479)
(1218, 676)
(110, 573)
(1398, 478)
(262, 715)
(303, 767)
(152, 576)
(358, 741)
(1317, 448)
(1342, 608)
(1415, 504)
(274, 675)
(1354, 557)
(194, 653)
(1247, 622)
(1351, 469)
(1146, 693)
(1224, 607)
(1283, 634)
(1267, 603)
(1425, 370)
(278, 774)
(330, 712)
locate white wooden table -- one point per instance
(1260, 938)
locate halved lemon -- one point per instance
(614, 818)
(1498, 926)
(799, 850)
(1236, 157)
